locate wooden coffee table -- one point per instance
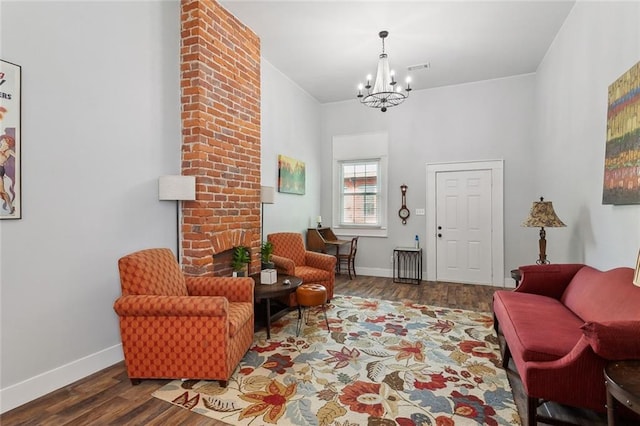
(267, 292)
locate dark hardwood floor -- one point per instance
(108, 398)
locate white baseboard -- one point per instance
(388, 273)
(16, 395)
(374, 272)
(509, 282)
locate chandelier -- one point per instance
(385, 92)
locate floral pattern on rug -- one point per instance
(382, 363)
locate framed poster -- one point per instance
(622, 149)
(10, 140)
(291, 175)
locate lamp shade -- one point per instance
(543, 215)
(177, 188)
(267, 194)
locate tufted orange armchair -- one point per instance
(175, 326)
(291, 258)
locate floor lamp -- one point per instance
(267, 196)
(177, 188)
(542, 214)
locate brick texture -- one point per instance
(220, 96)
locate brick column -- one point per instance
(220, 96)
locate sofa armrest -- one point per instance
(547, 280)
(615, 340)
(284, 265)
(320, 261)
(234, 289)
(181, 306)
(558, 380)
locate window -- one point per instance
(359, 198)
(360, 193)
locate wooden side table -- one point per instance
(516, 275)
(622, 379)
(268, 292)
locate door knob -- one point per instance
(439, 235)
(439, 227)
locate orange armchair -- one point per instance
(291, 258)
(175, 326)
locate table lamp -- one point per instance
(267, 196)
(542, 215)
(177, 188)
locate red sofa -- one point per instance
(562, 325)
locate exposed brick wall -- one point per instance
(220, 87)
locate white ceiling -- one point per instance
(327, 47)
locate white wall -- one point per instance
(486, 120)
(291, 127)
(100, 123)
(597, 44)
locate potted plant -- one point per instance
(240, 260)
(266, 251)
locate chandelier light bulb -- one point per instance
(383, 93)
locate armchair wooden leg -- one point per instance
(506, 356)
(135, 382)
(223, 383)
(532, 411)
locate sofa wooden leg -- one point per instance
(135, 382)
(506, 356)
(223, 383)
(532, 411)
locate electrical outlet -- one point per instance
(419, 212)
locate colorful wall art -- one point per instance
(622, 152)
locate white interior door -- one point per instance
(463, 226)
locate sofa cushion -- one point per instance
(239, 313)
(603, 296)
(537, 328)
(614, 340)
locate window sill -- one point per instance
(360, 232)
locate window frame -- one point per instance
(343, 195)
(355, 149)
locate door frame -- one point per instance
(497, 213)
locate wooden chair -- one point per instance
(349, 258)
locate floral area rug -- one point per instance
(382, 363)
